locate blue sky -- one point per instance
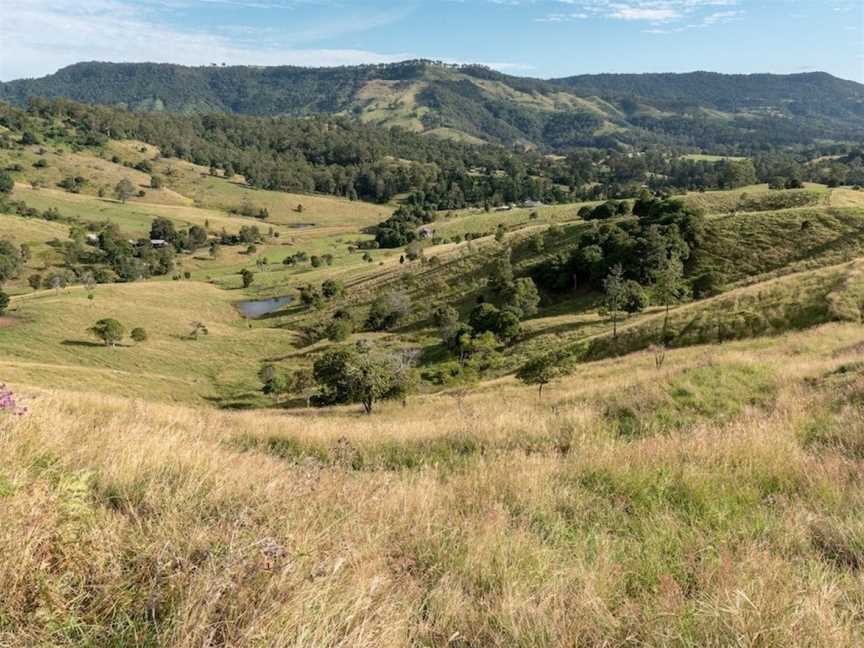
(542, 38)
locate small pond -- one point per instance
(253, 308)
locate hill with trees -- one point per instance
(475, 103)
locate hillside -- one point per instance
(230, 417)
(473, 103)
(716, 501)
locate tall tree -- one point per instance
(614, 287)
(124, 190)
(668, 284)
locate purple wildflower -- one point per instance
(8, 403)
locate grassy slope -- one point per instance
(715, 502)
(43, 349)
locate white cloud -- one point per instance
(720, 17)
(39, 36)
(644, 13)
(562, 17)
(652, 11)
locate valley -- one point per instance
(317, 382)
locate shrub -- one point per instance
(331, 288)
(707, 284)
(138, 334)
(4, 302)
(339, 330)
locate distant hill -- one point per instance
(473, 103)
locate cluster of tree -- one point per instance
(315, 297)
(111, 332)
(650, 109)
(332, 155)
(663, 227)
(400, 228)
(608, 209)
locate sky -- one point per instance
(538, 38)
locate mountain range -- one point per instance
(473, 103)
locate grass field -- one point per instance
(715, 502)
(710, 496)
(220, 366)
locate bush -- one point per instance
(4, 302)
(707, 284)
(339, 330)
(138, 334)
(331, 288)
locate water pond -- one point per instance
(253, 308)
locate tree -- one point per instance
(331, 288)
(124, 190)
(7, 184)
(522, 297)
(446, 319)
(29, 138)
(196, 238)
(668, 284)
(35, 281)
(247, 277)
(388, 309)
(540, 371)
(413, 250)
(502, 273)
(162, 229)
(503, 324)
(311, 296)
(110, 331)
(613, 286)
(299, 382)
(138, 334)
(10, 261)
(4, 302)
(635, 298)
(507, 326)
(360, 375)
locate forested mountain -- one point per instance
(725, 113)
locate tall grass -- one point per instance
(731, 518)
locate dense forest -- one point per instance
(726, 113)
(344, 157)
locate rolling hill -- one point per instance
(473, 103)
(702, 493)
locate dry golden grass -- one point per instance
(497, 521)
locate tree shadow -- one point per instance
(87, 343)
